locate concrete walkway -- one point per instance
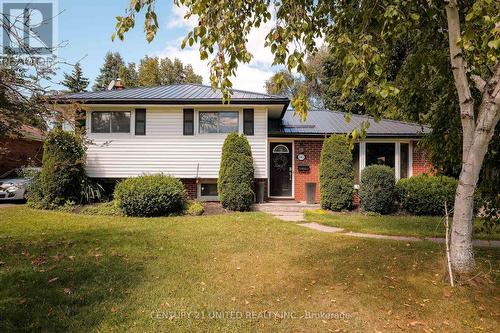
(325, 228)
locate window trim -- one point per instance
(206, 197)
(131, 119)
(198, 123)
(397, 157)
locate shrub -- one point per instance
(336, 174)
(377, 189)
(236, 174)
(195, 208)
(63, 171)
(425, 195)
(151, 195)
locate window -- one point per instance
(281, 149)
(404, 156)
(380, 153)
(208, 190)
(140, 122)
(188, 122)
(111, 122)
(248, 122)
(355, 163)
(218, 122)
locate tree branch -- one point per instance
(459, 68)
(479, 82)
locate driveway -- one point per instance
(10, 204)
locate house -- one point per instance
(179, 130)
(21, 150)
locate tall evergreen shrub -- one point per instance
(236, 174)
(63, 171)
(336, 174)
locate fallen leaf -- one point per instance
(67, 291)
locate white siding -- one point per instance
(165, 149)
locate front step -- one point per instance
(283, 206)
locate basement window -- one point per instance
(207, 190)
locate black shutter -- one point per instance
(188, 122)
(248, 121)
(140, 121)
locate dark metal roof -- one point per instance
(171, 94)
(325, 122)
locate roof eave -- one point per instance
(175, 101)
(322, 135)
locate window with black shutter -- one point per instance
(248, 126)
(188, 122)
(140, 121)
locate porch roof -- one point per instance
(327, 122)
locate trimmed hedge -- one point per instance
(377, 189)
(63, 171)
(336, 174)
(150, 195)
(425, 195)
(236, 174)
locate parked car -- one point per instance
(14, 183)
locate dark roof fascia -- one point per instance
(325, 135)
(174, 101)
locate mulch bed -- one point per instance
(214, 208)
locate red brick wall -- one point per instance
(15, 153)
(421, 164)
(191, 188)
(312, 150)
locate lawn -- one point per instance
(67, 272)
(419, 226)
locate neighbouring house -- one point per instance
(24, 149)
(179, 130)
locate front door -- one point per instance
(280, 183)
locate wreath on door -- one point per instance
(280, 162)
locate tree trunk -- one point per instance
(476, 138)
(462, 256)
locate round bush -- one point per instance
(195, 208)
(151, 195)
(336, 174)
(425, 195)
(63, 171)
(377, 189)
(236, 174)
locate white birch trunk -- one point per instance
(476, 138)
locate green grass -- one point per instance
(418, 226)
(64, 272)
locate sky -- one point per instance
(86, 27)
